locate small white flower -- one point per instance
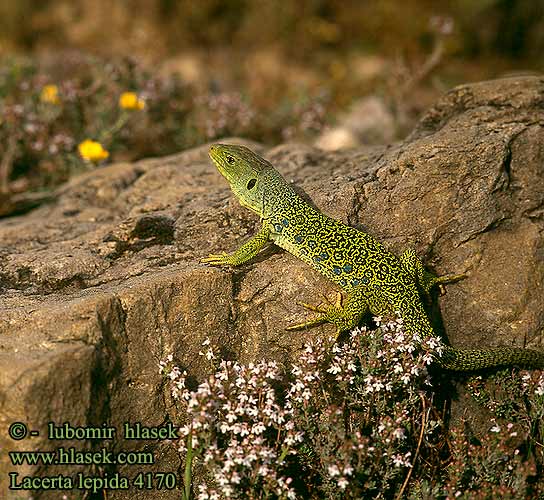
(258, 428)
(377, 386)
(539, 391)
(399, 433)
(333, 470)
(184, 430)
(348, 470)
(343, 483)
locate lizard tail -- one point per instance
(477, 359)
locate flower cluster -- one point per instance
(355, 419)
(307, 118)
(176, 377)
(504, 461)
(85, 111)
(342, 414)
(489, 467)
(224, 114)
(366, 392)
(238, 429)
(63, 121)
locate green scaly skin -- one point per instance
(372, 278)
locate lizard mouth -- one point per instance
(218, 159)
(215, 155)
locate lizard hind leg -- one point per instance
(345, 317)
(321, 319)
(425, 279)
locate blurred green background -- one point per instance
(263, 69)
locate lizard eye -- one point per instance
(251, 183)
(230, 159)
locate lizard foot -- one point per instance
(319, 320)
(324, 313)
(446, 280)
(221, 259)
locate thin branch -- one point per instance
(423, 422)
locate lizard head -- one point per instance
(251, 177)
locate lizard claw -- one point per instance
(323, 310)
(323, 317)
(338, 303)
(311, 307)
(320, 320)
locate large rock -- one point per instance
(99, 286)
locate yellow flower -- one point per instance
(130, 100)
(92, 151)
(50, 94)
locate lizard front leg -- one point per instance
(345, 316)
(424, 278)
(243, 254)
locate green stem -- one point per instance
(188, 468)
(284, 453)
(118, 125)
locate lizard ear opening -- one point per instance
(251, 183)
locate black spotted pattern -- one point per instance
(372, 277)
(350, 258)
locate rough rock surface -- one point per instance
(99, 286)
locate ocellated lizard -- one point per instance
(372, 278)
